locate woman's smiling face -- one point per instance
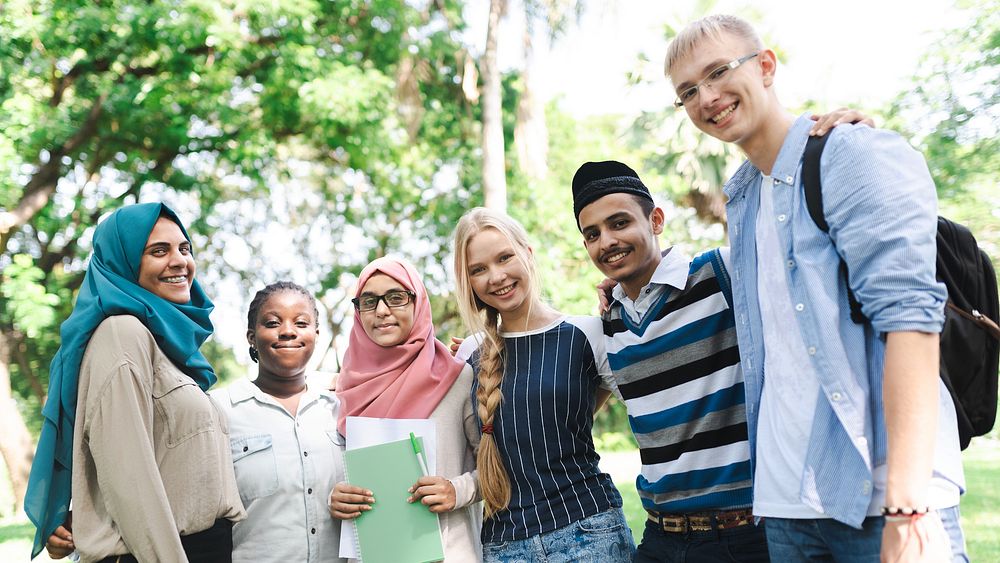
(284, 335)
(496, 274)
(166, 268)
(384, 325)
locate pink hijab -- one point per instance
(404, 381)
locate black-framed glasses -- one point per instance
(393, 299)
(713, 78)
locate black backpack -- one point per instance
(970, 340)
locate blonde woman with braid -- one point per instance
(540, 376)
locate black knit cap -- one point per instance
(595, 180)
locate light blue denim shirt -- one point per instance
(880, 203)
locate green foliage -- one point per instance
(953, 116)
(952, 110)
(26, 301)
(338, 128)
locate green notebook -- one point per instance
(393, 531)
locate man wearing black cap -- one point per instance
(671, 343)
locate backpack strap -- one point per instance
(814, 203)
(811, 182)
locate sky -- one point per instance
(857, 52)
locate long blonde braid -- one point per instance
(494, 483)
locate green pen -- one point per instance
(418, 451)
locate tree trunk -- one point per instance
(494, 172)
(531, 135)
(15, 440)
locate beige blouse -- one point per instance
(151, 457)
(457, 440)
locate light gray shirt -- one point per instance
(285, 467)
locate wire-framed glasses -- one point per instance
(713, 78)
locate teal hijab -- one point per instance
(110, 287)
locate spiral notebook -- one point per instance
(393, 531)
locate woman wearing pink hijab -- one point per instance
(396, 368)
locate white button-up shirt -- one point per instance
(285, 468)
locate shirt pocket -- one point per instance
(185, 409)
(255, 467)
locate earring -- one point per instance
(254, 355)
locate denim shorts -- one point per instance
(603, 537)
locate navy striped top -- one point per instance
(543, 427)
(678, 372)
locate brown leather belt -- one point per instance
(702, 521)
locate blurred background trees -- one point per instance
(301, 138)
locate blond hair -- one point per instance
(709, 27)
(494, 482)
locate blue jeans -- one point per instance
(826, 539)
(743, 543)
(603, 537)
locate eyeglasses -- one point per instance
(393, 299)
(714, 78)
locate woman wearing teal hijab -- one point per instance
(128, 431)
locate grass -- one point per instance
(980, 510)
(980, 505)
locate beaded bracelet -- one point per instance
(904, 511)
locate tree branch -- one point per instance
(43, 182)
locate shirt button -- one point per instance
(305, 454)
(866, 487)
(862, 442)
(736, 230)
(791, 264)
(781, 217)
(789, 180)
(245, 448)
(312, 531)
(835, 396)
(800, 307)
(811, 350)
(309, 490)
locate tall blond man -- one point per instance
(853, 436)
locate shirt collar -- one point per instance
(244, 390)
(790, 154)
(672, 270)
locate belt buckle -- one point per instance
(700, 527)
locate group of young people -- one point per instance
(770, 426)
